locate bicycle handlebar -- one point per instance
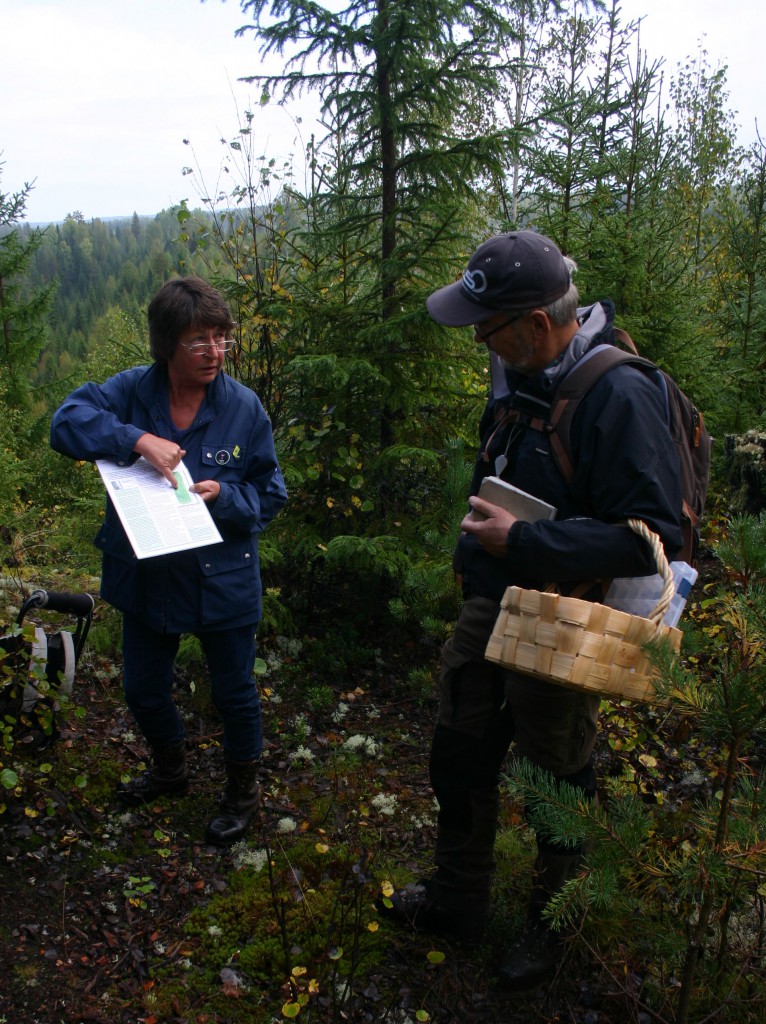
(80, 605)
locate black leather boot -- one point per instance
(427, 907)
(455, 902)
(240, 803)
(166, 777)
(538, 949)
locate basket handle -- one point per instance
(663, 569)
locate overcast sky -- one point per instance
(97, 96)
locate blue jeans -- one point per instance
(148, 658)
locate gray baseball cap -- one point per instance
(515, 271)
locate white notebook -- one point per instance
(520, 504)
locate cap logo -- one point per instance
(475, 281)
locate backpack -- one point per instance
(692, 440)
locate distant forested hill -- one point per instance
(99, 266)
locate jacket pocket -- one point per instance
(231, 585)
(224, 455)
(112, 540)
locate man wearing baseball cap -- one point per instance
(518, 295)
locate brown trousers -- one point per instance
(483, 709)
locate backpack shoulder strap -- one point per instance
(625, 340)
(577, 383)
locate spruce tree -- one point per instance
(403, 90)
(740, 292)
(22, 338)
(22, 320)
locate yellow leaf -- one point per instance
(321, 847)
(373, 926)
(387, 889)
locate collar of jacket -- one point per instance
(152, 391)
(595, 328)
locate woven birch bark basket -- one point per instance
(583, 645)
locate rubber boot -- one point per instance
(240, 803)
(455, 902)
(538, 948)
(166, 777)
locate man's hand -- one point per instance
(208, 490)
(163, 455)
(492, 532)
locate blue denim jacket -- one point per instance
(230, 441)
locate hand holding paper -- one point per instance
(156, 519)
(164, 455)
(208, 490)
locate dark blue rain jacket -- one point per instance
(212, 587)
(625, 466)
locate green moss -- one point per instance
(311, 909)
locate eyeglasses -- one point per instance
(486, 335)
(198, 347)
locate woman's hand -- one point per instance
(492, 532)
(208, 490)
(163, 455)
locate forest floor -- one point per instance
(121, 917)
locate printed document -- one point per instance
(157, 518)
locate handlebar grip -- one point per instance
(80, 605)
